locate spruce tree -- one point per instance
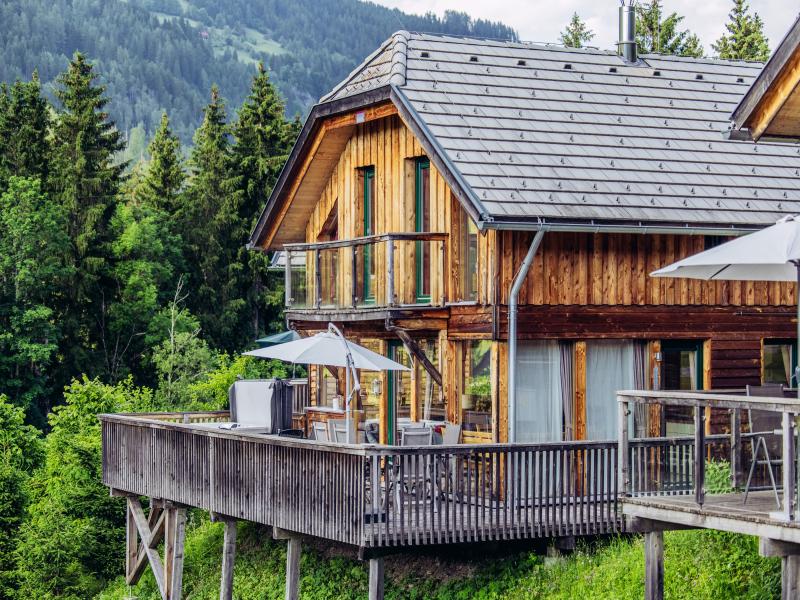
(745, 39)
(658, 35)
(210, 221)
(85, 179)
(24, 130)
(164, 176)
(262, 142)
(576, 33)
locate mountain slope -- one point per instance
(165, 54)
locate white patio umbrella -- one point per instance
(771, 254)
(332, 349)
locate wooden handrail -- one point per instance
(403, 236)
(710, 399)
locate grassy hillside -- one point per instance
(165, 54)
(699, 565)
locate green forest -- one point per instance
(158, 55)
(131, 174)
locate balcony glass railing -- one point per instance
(396, 269)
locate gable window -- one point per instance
(422, 223)
(367, 193)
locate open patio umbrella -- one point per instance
(771, 254)
(332, 349)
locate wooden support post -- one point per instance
(131, 545)
(293, 551)
(376, 579)
(175, 582)
(417, 352)
(654, 565)
(736, 448)
(135, 507)
(622, 454)
(228, 559)
(699, 454)
(790, 577)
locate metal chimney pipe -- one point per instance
(626, 47)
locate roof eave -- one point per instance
(772, 69)
(640, 227)
(312, 123)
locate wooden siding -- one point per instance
(614, 268)
(388, 146)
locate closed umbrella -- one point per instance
(331, 348)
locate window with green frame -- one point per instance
(368, 208)
(422, 223)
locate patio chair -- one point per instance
(766, 437)
(413, 472)
(337, 430)
(320, 431)
(451, 435)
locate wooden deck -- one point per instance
(370, 497)
(725, 512)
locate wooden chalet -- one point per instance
(419, 183)
(487, 213)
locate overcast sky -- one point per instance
(543, 20)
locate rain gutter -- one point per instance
(513, 296)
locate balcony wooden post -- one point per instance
(390, 297)
(699, 454)
(228, 560)
(444, 274)
(376, 586)
(317, 279)
(287, 281)
(736, 448)
(788, 466)
(354, 276)
(622, 457)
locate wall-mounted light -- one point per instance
(376, 387)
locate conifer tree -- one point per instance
(210, 220)
(576, 34)
(24, 130)
(745, 39)
(660, 35)
(262, 142)
(85, 179)
(164, 176)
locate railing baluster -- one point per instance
(699, 454)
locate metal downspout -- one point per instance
(512, 333)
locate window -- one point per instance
(476, 386)
(371, 394)
(422, 223)
(431, 405)
(367, 190)
(778, 362)
(538, 414)
(329, 258)
(682, 369)
(609, 368)
(469, 258)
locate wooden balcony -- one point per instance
(365, 276)
(653, 500)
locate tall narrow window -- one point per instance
(469, 258)
(368, 208)
(422, 222)
(476, 389)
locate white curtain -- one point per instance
(609, 368)
(538, 409)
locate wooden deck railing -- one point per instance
(666, 466)
(366, 496)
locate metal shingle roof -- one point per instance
(549, 133)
